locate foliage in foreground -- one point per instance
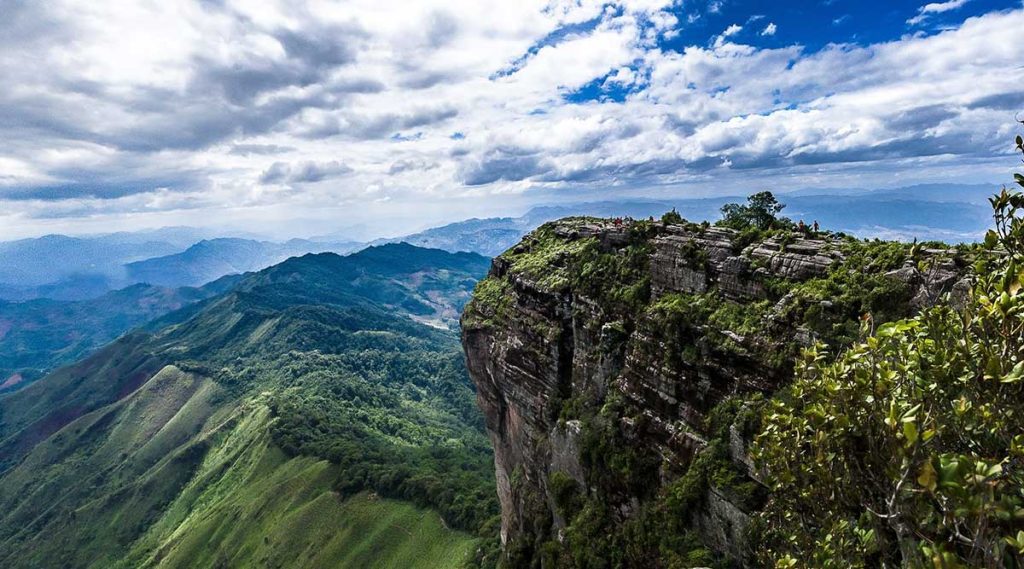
(908, 450)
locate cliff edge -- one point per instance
(617, 365)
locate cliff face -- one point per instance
(610, 358)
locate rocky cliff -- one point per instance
(618, 364)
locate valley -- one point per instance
(303, 393)
(446, 284)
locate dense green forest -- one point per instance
(37, 336)
(308, 396)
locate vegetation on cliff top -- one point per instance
(760, 212)
(864, 287)
(618, 281)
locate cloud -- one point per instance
(935, 8)
(722, 39)
(503, 164)
(250, 149)
(112, 110)
(302, 172)
(410, 165)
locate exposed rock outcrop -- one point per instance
(550, 342)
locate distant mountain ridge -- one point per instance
(960, 193)
(945, 212)
(80, 268)
(212, 258)
(71, 268)
(40, 335)
(302, 418)
(44, 260)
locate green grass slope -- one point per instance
(257, 429)
(252, 506)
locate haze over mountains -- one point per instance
(39, 335)
(76, 280)
(949, 212)
(212, 258)
(76, 268)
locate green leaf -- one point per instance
(928, 477)
(1015, 375)
(910, 431)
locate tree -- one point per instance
(671, 217)
(907, 451)
(760, 212)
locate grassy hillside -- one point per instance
(174, 480)
(40, 335)
(274, 425)
(292, 517)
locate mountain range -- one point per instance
(947, 212)
(39, 335)
(77, 268)
(303, 417)
(210, 259)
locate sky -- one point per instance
(306, 118)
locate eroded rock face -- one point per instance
(546, 345)
(933, 281)
(518, 369)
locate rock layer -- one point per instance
(543, 345)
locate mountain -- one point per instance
(621, 369)
(59, 267)
(39, 335)
(303, 418)
(80, 286)
(488, 236)
(951, 213)
(179, 237)
(32, 262)
(213, 258)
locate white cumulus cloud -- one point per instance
(286, 116)
(935, 8)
